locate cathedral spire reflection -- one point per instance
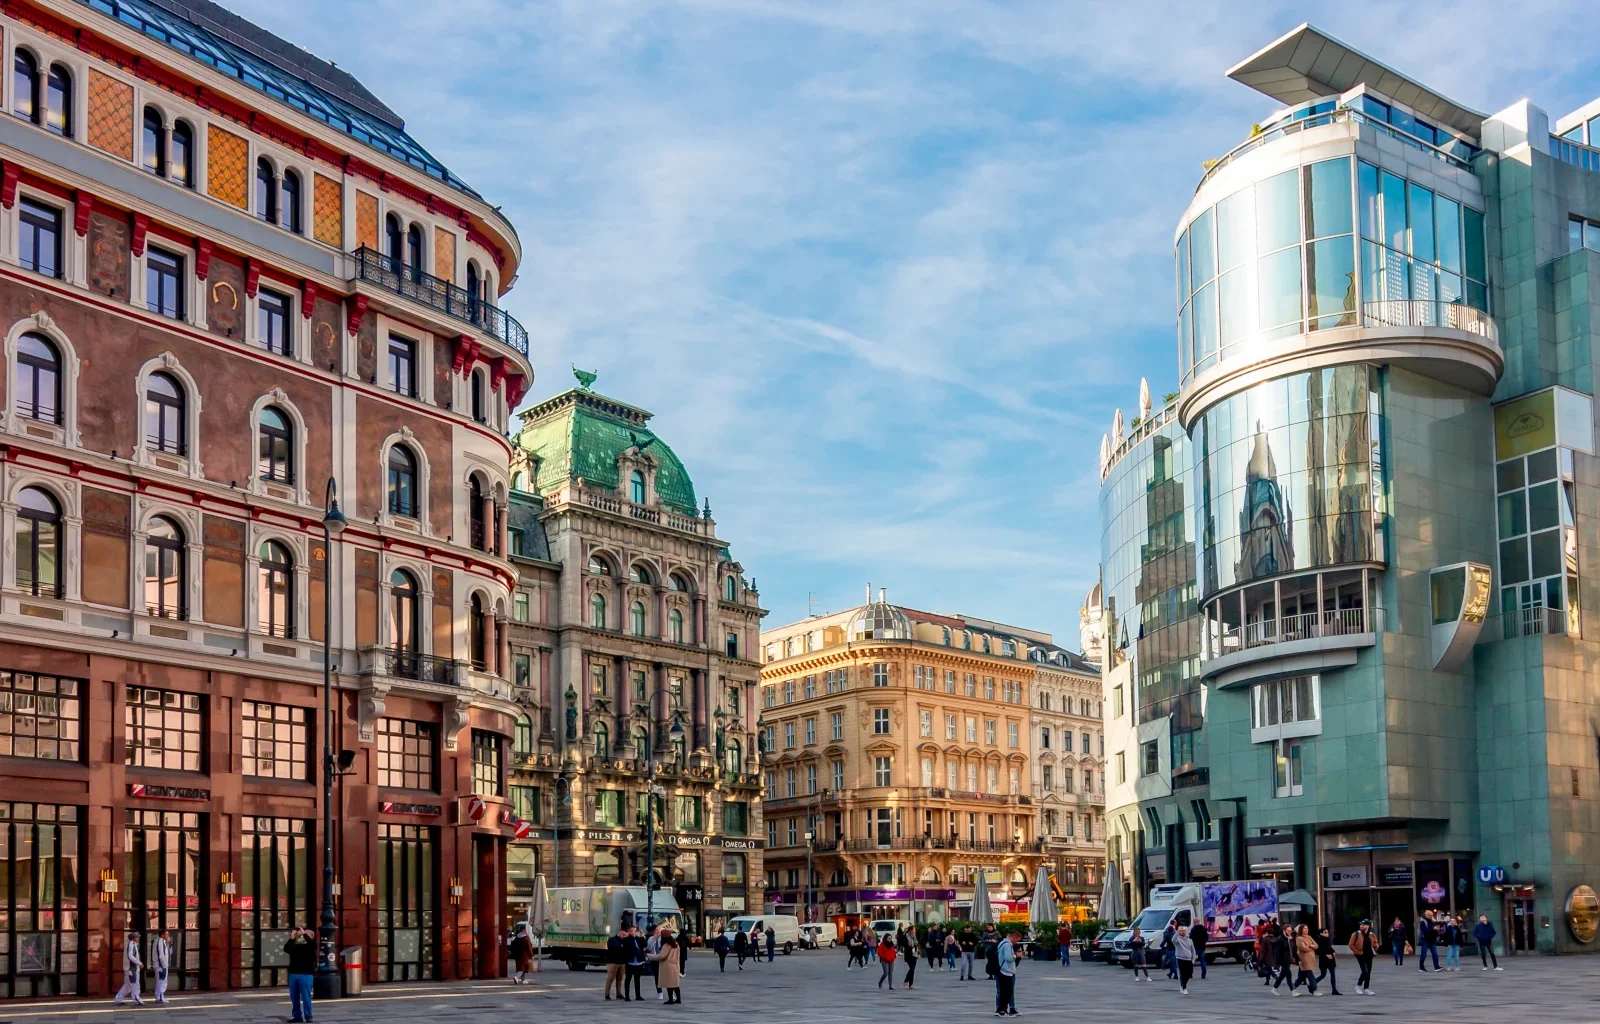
(1266, 522)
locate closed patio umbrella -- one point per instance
(982, 913)
(539, 917)
(1042, 909)
(1111, 908)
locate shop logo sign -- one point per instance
(1433, 892)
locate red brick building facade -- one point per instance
(225, 282)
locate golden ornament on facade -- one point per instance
(1583, 913)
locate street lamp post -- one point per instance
(325, 984)
(563, 798)
(811, 908)
(649, 823)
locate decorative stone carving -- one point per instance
(370, 708)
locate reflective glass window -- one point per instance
(1331, 274)
(1202, 251)
(1236, 229)
(1419, 203)
(1447, 232)
(1278, 281)
(1327, 186)
(1278, 211)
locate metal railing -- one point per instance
(1431, 313)
(1535, 621)
(1157, 419)
(1575, 153)
(438, 294)
(424, 668)
(1303, 626)
(1294, 125)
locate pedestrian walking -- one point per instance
(1483, 932)
(1064, 944)
(969, 951)
(1005, 977)
(772, 943)
(1167, 959)
(1364, 947)
(1199, 935)
(755, 942)
(1427, 942)
(1398, 942)
(906, 945)
(886, 955)
(1305, 960)
(1267, 952)
(1183, 958)
(618, 954)
(133, 969)
(301, 949)
(1136, 946)
(1452, 943)
(160, 961)
(952, 950)
(522, 952)
(872, 938)
(682, 939)
(669, 972)
(741, 947)
(1283, 955)
(1326, 961)
(722, 947)
(637, 964)
(933, 947)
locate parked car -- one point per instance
(1103, 946)
(786, 928)
(815, 936)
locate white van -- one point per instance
(823, 933)
(887, 926)
(785, 929)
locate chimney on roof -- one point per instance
(883, 594)
(869, 592)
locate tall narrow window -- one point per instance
(272, 323)
(402, 367)
(58, 101)
(38, 379)
(180, 156)
(675, 626)
(402, 482)
(479, 623)
(597, 610)
(266, 192)
(402, 612)
(275, 590)
(473, 284)
(25, 74)
(38, 543)
(414, 252)
(730, 589)
(636, 487)
(275, 457)
(636, 618)
(39, 238)
(163, 283)
(475, 516)
(165, 595)
(291, 203)
(155, 142)
(392, 240)
(164, 403)
(478, 405)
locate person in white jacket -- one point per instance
(161, 959)
(132, 968)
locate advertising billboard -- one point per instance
(1235, 910)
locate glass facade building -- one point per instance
(1344, 571)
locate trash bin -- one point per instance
(350, 970)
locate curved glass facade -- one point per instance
(1147, 548)
(1291, 477)
(1279, 257)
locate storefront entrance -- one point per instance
(407, 925)
(274, 896)
(165, 868)
(1522, 934)
(41, 900)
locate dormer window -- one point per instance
(636, 487)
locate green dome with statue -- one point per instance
(579, 434)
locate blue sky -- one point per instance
(883, 269)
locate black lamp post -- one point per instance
(325, 985)
(676, 732)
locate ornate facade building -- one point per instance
(1069, 776)
(299, 296)
(897, 761)
(633, 642)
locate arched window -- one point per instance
(402, 482)
(599, 566)
(636, 618)
(475, 518)
(38, 379)
(391, 231)
(474, 283)
(275, 590)
(38, 543)
(275, 459)
(155, 142)
(25, 85)
(414, 252)
(641, 743)
(735, 756)
(479, 623)
(519, 481)
(291, 203)
(180, 158)
(638, 574)
(478, 404)
(602, 741)
(675, 626)
(164, 408)
(677, 582)
(166, 594)
(402, 612)
(597, 610)
(58, 101)
(636, 487)
(266, 191)
(730, 589)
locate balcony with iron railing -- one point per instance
(1247, 635)
(409, 665)
(439, 295)
(1535, 621)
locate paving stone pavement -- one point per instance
(815, 988)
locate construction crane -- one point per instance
(1059, 893)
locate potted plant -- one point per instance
(1084, 932)
(1045, 946)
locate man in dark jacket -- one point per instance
(1167, 959)
(741, 946)
(1200, 936)
(1483, 933)
(617, 956)
(989, 945)
(302, 951)
(722, 947)
(1427, 940)
(772, 943)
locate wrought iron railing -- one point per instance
(1431, 313)
(1535, 621)
(441, 295)
(424, 668)
(1305, 626)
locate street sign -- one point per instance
(1491, 874)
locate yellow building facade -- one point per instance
(897, 762)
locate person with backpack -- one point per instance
(1267, 952)
(1005, 976)
(886, 955)
(991, 943)
(1364, 947)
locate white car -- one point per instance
(815, 936)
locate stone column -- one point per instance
(658, 710)
(697, 705)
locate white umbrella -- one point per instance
(1042, 910)
(1111, 908)
(981, 913)
(539, 916)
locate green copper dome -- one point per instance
(580, 434)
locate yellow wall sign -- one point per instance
(1583, 913)
(1525, 424)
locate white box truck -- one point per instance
(1231, 911)
(586, 916)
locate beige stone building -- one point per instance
(1068, 749)
(900, 741)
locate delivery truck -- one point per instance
(1231, 911)
(586, 916)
